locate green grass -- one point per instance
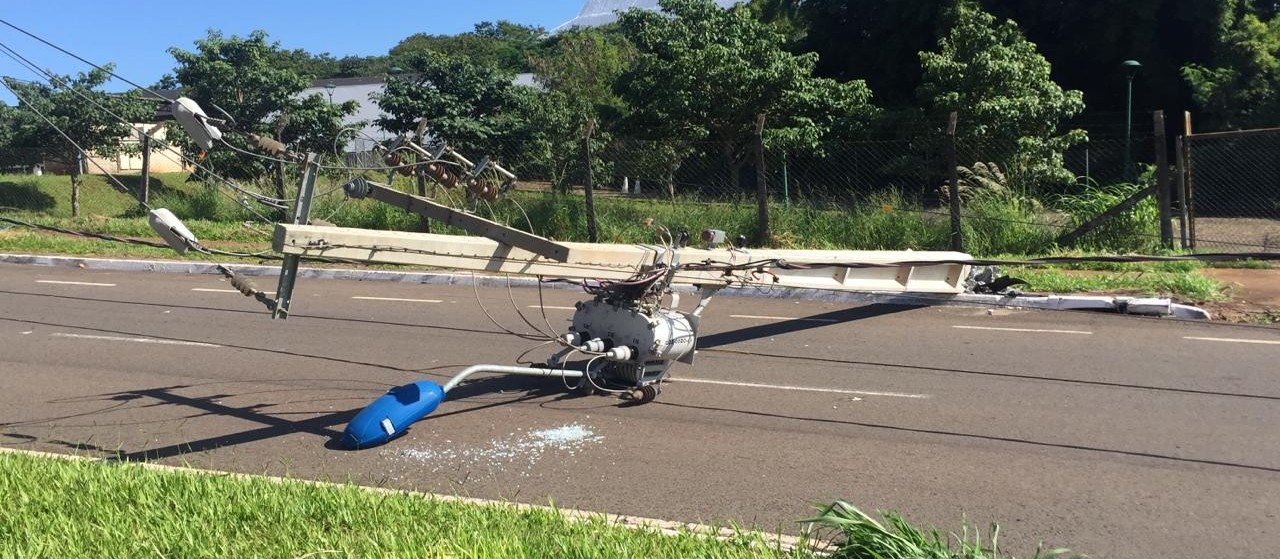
(1187, 286)
(895, 538)
(67, 507)
(88, 508)
(884, 220)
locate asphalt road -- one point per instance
(1115, 436)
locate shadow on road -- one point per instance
(786, 327)
(978, 436)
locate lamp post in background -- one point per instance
(1130, 70)
(329, 87)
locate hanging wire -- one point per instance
(57, 82)
(81, 150)
(81, 59)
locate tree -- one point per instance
(1000, 85)
(874, 40)
(244, 78)
(463, 101)
(703, 74)
(577, 70)
(1086, 41)
(503, 44)
(66, 105)
(1241, 86)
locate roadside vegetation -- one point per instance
(997, 224)
(70, 507)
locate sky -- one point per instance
(136, 34)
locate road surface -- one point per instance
(1116, 436)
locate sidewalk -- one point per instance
(1255, 295)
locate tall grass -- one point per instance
(1137, 230)
(863, 537)
(995, 221)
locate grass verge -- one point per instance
(68, 507)
(88, 508)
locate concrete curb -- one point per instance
(1052, 302)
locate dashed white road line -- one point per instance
(134, 340)
(395, 299)
(760, 317)
(208, 290)
(1233, 340)
(551, 308)
(1081, 332)
(801, 388)
(90, 284)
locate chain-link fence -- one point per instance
(870, 194)
(1231, 184)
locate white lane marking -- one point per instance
(1233, 340)
(551, 308)
(135, 340)
(1023, 330)
(90, 284)
(398, 300)
(208, 290)
(801, 388)
(760, 317)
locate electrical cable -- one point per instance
(103, 236)
(81, 150)
(475, 285)
(587, 375)
(512, 296)
(525, 353)
(81, 59)
(55, 81)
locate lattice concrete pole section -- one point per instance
(618, 261)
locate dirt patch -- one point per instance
(1254, 295)
(1237, 234)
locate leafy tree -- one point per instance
(503, 44)
(243, 77)
(874, 40)
(994, 77)
(783, 15)
(1086, 41)
(64, 105)
(12, 154)
(463, 101)
(1241, 87)
(578, 70)
(703, 74)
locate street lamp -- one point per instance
(329, 87)
(1130, 70)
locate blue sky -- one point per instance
(136, 34)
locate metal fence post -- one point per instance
(762, 186)
(1162, 180)
(145, 195)
(1189, 204)
(424, 224)
(588, 188)
(953, 188)
(1180, 188)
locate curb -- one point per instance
(1128, 305)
